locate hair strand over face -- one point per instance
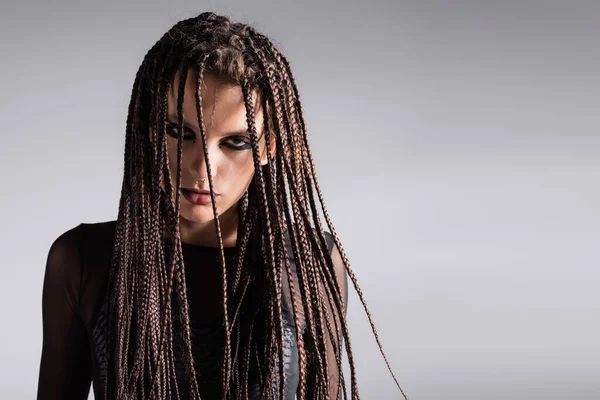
(147, 301)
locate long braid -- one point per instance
(124, 211)
(311, 281)
(121, 229)
(150, 278)
(158, 233)
(293, 98)
(167, 334)
(296, 205)
(276, 267)
(330, 225)
(306, 269)
(227, 354)
(147, 282)
(276, 105)
(327, 276)
(181, 285)
(175, 272)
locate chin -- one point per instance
(198, 215)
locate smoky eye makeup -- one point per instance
(238, 143)
(173, 131)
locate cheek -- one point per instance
(186, 156)
(238, 168)
(232, 170)
(236, 171)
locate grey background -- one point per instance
(457, 147)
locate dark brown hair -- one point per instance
(147, 281)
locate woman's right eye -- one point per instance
(173, 132)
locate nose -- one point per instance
(198, 166)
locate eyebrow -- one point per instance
(173, 119)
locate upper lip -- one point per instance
(201, 191)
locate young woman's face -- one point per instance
(227, 142)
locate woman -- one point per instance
(218, 279)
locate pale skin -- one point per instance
(232, 168)
(229, 152)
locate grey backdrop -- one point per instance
(457, 146)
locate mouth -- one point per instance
(192, 190)
(198, 197)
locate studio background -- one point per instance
(457, 147)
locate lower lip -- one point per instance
(196, 198)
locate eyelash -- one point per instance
(172, 131)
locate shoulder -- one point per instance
(62, 277)
(332, 249)
(74, 236)
(328, 237)
(69, 248)
(65, 247)
(339, 266)
(96, 246)
(99, 233)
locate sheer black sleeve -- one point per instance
(65, 367)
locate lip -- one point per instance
(198, 197)
(201, 191)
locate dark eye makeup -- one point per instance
(173, 131)
(232, 142)
(238, 143)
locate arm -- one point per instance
(342, 279)
(65, 366)
(330, 313)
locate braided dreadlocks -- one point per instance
(147, 279)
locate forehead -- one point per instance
(218, 95)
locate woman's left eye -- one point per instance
(172, 131)
(238, 143)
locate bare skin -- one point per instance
(229, 152)
(232, 170)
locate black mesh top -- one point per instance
(74, 349)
